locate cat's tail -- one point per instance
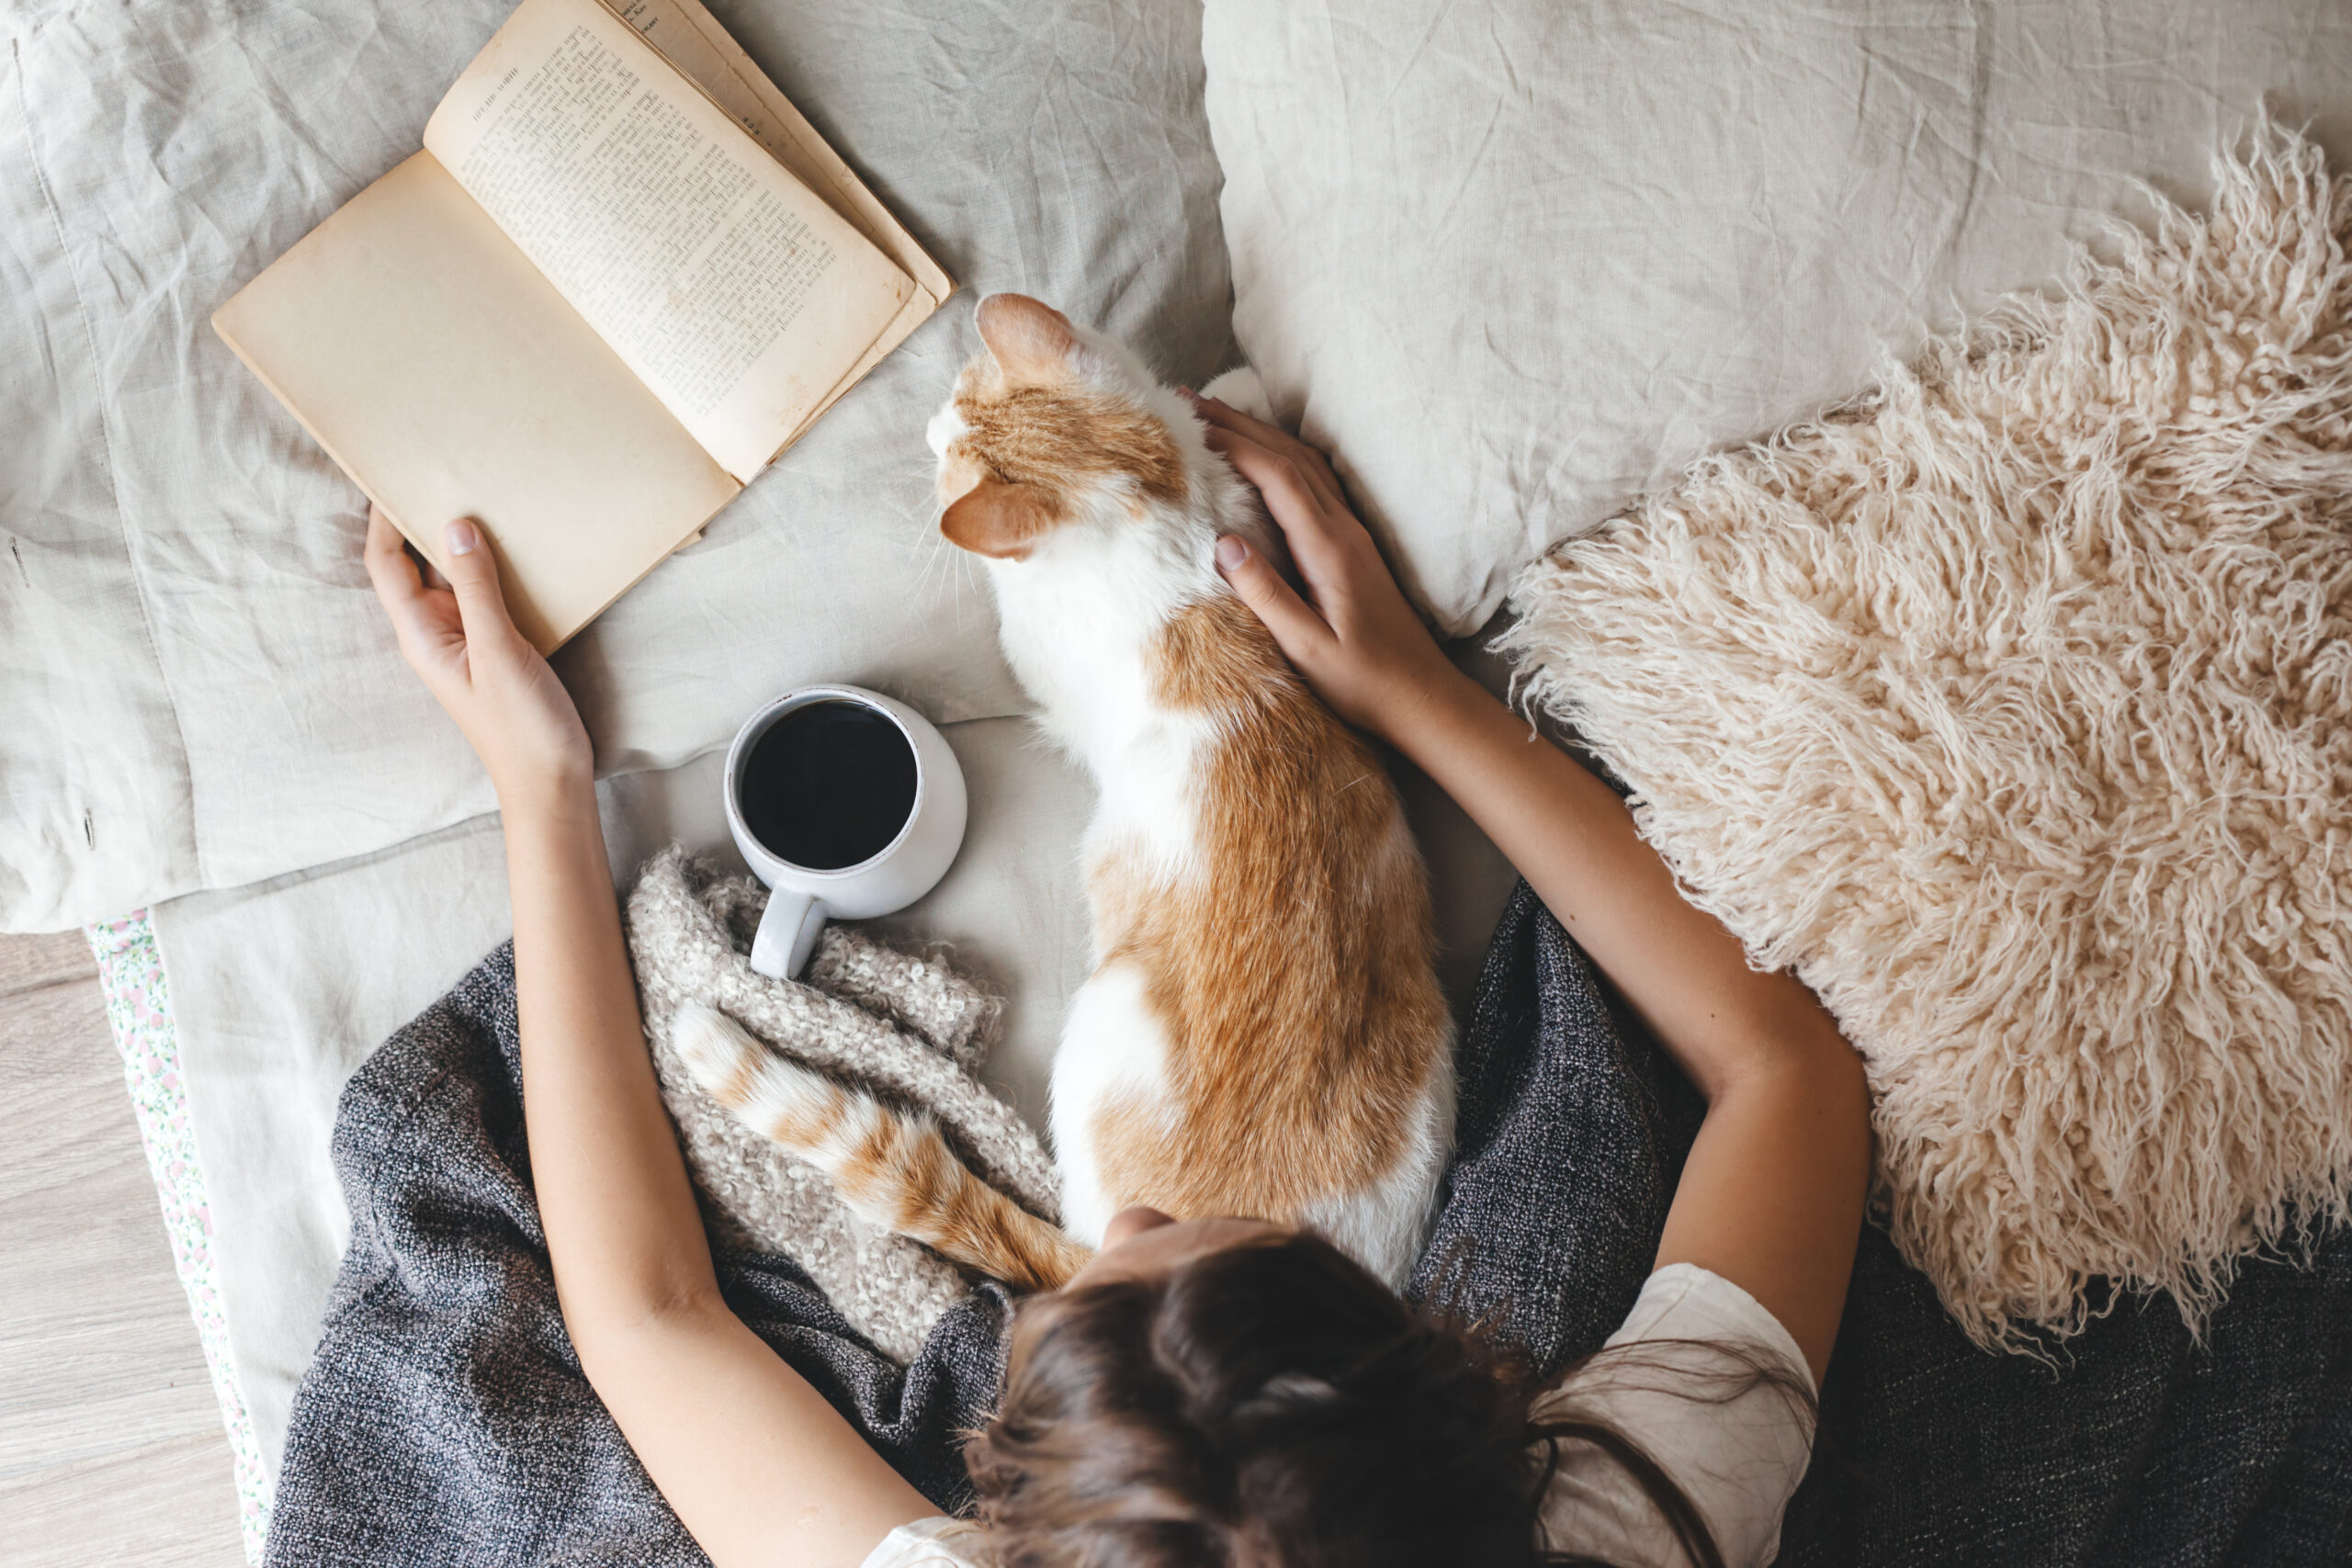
(891, 1165)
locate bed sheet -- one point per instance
(199, 689)
(280, 990)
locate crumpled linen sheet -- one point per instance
(200, 691)
(1517, 262)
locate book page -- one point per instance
(448, 378)
(690, 37)
(735, 293)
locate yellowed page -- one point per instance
(690, 37)
(735, 293)
(448, 378)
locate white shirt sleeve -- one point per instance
(1686, 1394)
(926, 1543)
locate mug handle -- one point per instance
(787, 934)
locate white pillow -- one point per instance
(1517, 262)
(199, 688)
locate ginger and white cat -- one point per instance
(1263, 1033)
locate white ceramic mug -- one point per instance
(802, 899)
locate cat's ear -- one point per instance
(1001, 520)
(1032, 341)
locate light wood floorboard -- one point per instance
(111, 1449)
(29, 961)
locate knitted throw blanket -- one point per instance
(906, 1025)
(444, 1419)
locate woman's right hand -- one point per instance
(463, 645)
(1354, 637)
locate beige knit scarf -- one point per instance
(906, 1025)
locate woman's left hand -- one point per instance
(462, 644)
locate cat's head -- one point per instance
(1056, 430)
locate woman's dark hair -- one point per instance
(1272, 1404)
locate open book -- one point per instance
(622, 277)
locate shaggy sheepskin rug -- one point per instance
(2011, 705)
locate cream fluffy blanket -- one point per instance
(2012, 704)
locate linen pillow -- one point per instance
(1516, 262)
(200, 691)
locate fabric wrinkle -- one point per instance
(184, 149)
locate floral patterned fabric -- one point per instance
(138, 1007)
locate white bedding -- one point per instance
(199, 689)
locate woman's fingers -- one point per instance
(1313, 529)
(1290, 500)
(1297, 627)
(1224, 417)
(473, 578)
(421, 621)
(389, 566)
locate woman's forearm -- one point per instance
(1575, 841)
(755, 1462)
(761, 1468)
(622, 1227)
(1771, 1194)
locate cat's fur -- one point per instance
(1263, 1033)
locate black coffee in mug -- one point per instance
(828, 785)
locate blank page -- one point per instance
(434, 364)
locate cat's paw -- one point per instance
(1240, 389)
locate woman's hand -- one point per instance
(460, 641)
(1354, 637)
(1771, 1195)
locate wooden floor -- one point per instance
(111, 1449)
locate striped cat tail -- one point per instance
(891, 1167)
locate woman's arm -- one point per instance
(758, 1466)
(1772, 1197)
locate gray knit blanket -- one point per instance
(444, 1419)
